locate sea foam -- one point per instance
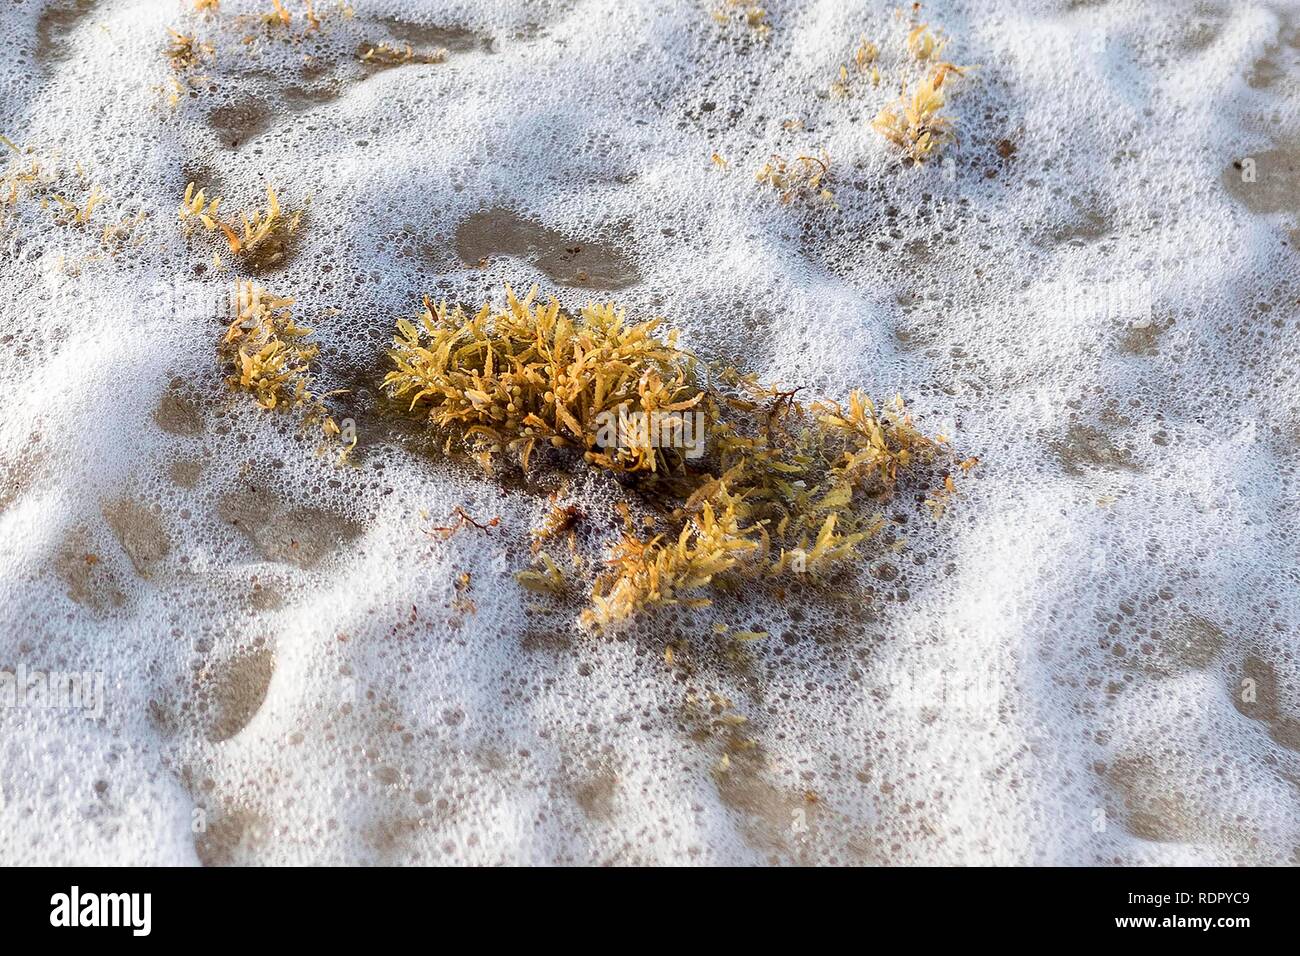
(1089, 658)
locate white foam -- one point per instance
(1054, 673)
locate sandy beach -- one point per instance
(346, 610)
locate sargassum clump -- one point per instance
(777, 486)
(509, 379)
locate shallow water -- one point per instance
(1090, 657)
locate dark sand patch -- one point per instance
(429, 37)
(1085, 446)
(18, 473)
(139, 529)
(595, 795)
(1268, 182)
(300, 536)
(1152, 808)
(237, 123)
(88, 579)
(185, 472)
(565, 260)
(1256, 695)
(55, 28)
(232, 691)
(177, 413)
(229, 839)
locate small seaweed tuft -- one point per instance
(197, 204)
(28, 178)
(266, 355)
(278, 21)
(386, 55)
(785, 490)
(748, 12)
(915, 122)
(266, 235)
(865, 58)
(803, 177)
(261, 239)
(277, 16)
(265, 351)
(875, 446)
(923, 44)
(184, 52)
(560, 522)
(545, 577)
